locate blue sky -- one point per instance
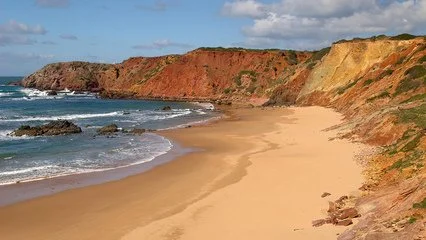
(36, 32)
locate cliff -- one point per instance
(379, 84)
(205, 73)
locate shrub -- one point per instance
(416, 115)
(368, 82)
(384, 94)
(422, 59)
(421, 204)
(343, 89)
(416, 71)
(227, 90)
(415, 98)
(319, 54)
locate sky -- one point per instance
(34, 33)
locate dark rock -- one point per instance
(348, 213)
(318, 223)
(345, 222)
(112, 128)
(166, 108)
(332, 207)
(341, 200)
(325, 194)
(52, 93)
(126, 113)
(138, 131)
(59, 127)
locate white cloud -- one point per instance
(244, 8)
(14, 27)
(295, 23)
(162, 44)
(52, 3)
(7, 40)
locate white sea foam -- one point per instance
(25, 170)
(63, 117)
(157, 146)
(5, 94)
(205, 105)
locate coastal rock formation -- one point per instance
(59, 127)
(137, 131)
(109, 129)
(379, 84)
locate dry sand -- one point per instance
(260, 176)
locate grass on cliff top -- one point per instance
(238, 49)
(404, 36)
(421, 204)
(416, 115)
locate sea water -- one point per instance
(32, 158)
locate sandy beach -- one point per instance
(258, 174)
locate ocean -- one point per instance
(33, 158)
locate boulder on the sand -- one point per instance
(52, 93)
(318, 223)
(325, 194)
(137, 131)
(166, 108)
(59, 127)
(345, 222)
(348, 213)
(112, 128)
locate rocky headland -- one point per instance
(378, 84)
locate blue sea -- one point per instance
(32, 158)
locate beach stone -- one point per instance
(59, 127)
(345, 222)
(112, 128)
(325, 194)
(348, 213)
(166, 108)
(318, 223)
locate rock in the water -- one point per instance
(166, 108)
(58, 127)
(325, 194)
(137, 131)
(52, 93)
(112, 128)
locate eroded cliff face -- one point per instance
(378, 84)
(207, 73)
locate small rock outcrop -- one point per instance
(59, 127)
(109, 129)
(137, 131)
(167, 108)
(338, 214)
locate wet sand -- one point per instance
(260, 176)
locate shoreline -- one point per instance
(139, 204)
